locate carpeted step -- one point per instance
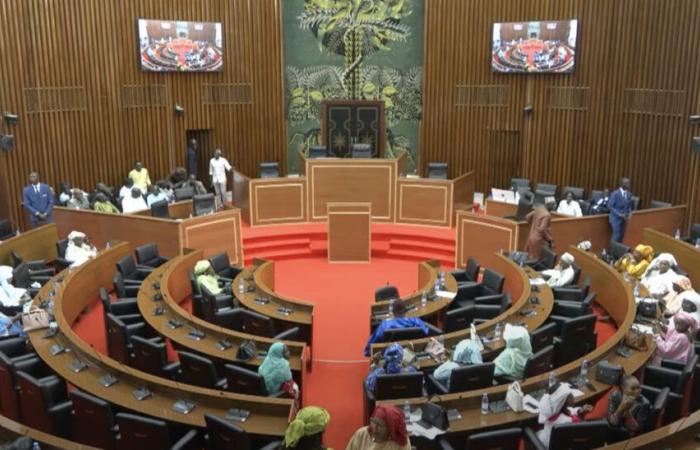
(419, 246)
(445, 261)
(276, 243)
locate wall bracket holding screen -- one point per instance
(534, 47)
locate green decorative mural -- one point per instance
(354, 49)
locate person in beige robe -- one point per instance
(540, 233)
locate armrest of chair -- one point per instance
(132, 290)
(131, 282)
(494, 299)
(433, 330)
(190, 441)
(273, 446)
(675, 365)
(568, 308)
(567, 293)
(531, 441)
(34, 366)
(146, 270)
(42, 279)
(467, 292)
(130, 319)
(163, 260)
(291, 334)
(224, 301)
(62, 417)
(558, 320)
(124, 307)
(434, 386)
(14, 346)
(505, 379)
(37, 265)
(172, 369)
(61, 264)
(443, 444)
(225, 280)
(459, 275)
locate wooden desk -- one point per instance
(517, 283)
(480, 236)
(349, 232)
(46, 440)
(428, 201)
(79, 290)
(175, 288)
(679, 435)
(276, 201)
(687, 256)
(38, 243)
(615, 296)
(498, 208)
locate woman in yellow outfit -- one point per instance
(636, 263)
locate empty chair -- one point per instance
(36, 267)
(160, 209)
(361, 151)
(6, 229)
(659, 204)
(573, 293)
(519, 184)
(490, 306)
(466, 378)
(548, 259)
(508, 438)
(244, 381)
(387, 292)
(458, 319)
(44, 403)
(491, 284)
(318, 151)
(93, 420)
(152, 357)
(675, 375)
(218, 309)
(131, 272)
(61, 263)
(470, 274)
(123, 290)
(225, 435)
(543, 336)
(576, 338)
(126, 310)
(694, 234)
(152, 434)
(199, 371)
(147, 255)
(567, 308)
(222, 266)
(578, 192)
(269, 170)
(14, 357)
(185, 193)
(539, 363)
(22, 278)
(571, 436)
(119, 337)
(437, 170)
(659, 399)
(544, 190)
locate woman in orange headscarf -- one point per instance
(636, 263)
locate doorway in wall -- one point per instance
(205, 150)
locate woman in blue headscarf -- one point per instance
(275, 368)
(466, 353)
(392, 363)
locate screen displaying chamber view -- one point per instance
(175, 46)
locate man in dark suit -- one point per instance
(38, 201)
(620, 206)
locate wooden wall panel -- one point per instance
(624, 111)
(91, 46)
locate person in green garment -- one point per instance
(103, 205)
(305, 432)
(511, 361)
(206, 277)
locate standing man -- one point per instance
(192, 157)
(218, 167)
(540, 232)
(140, 177)
(620, 206)
(38, 201)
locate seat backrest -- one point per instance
(318, 151)
(117, 339)
(546, 189)
(185, 193)
(93, 420)
(126, 266)
(203, 204)
(149, 356)
(106, 301)
(160, 209)
(548, 258)
(5, 229)
(659, 204)
(475, 376)
(458, 319)
(220, 262)
(437, 170)
(618, 250)
(9, 398)
(493, 280)
(269, 170)
(658, 399)
(20, 276)
(244, 381)
(472, 269)
(508, 438)
(147, 254)
(386, 293)
(37, 396)
(596, 194)
(518, 183)
(402, 334)
(695, 232)
(224, 435)
(585, 207)
(16, 258)
(142, 432)
(543, 336)
(257, 324)
(118, 283)
(399, 385)
(361, 151)
(525, 203)
(578, 329)
(635, 202)
(540, 362)
(61, 247)
(578, 192)
(579, 436)
(197, 370)
(577, 275)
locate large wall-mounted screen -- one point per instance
(176, 46)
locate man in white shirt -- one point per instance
(218, 166)
(134, 202)
(563, 273)
(78, 250)
(569, 207)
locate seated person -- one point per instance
(134, 202)
(511, 361)
(206, 277)
(466, 353)
(79, 250)
(386, 431)
(102, 204)
(64, 193)
(569, 207)
(392, 362)
(11, 298)
(195, 184)
(676, 342)
(305, 432)
(556, 408)
(682, 292)
(628, 410)
(398, 321)
(125, 190)
(155, 195)
(178, 177)
(599, 204)
(659, 276)
(562, 274)
(78, 200)
(275, 368)
(635, 264)
(166, 188)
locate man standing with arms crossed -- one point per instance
(218, 166)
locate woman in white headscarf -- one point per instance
(563, 273)
(467, 352)
(11, 298)
(659, 276)
(78, 250)
(554, 410)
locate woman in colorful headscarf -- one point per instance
(275, 368)
(555, 409)
(682, 290)
(676, 343)
(466, 353)
(392, 363)
(305, 432)
(659, 276)
(511, 361)
(636, 263)
(386, 431)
